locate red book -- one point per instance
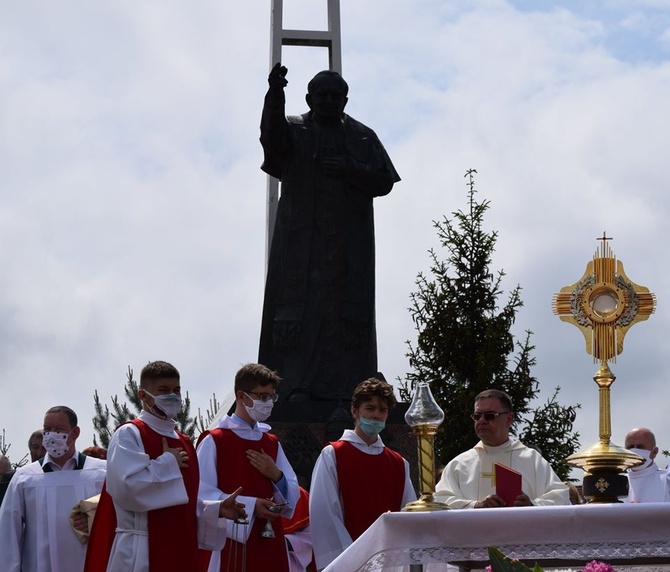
(508, 483)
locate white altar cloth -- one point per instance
(615, 533)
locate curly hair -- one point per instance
(371, 387)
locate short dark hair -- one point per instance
(38, 434)
(253, 374)
(157, 370)
(71, 415)
(505, 400)
(367, 389)
(327, 76)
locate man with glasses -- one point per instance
(468, 480)
(241, 453)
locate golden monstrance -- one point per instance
(604, 304)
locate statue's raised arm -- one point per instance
(318, 327)
(277, 77)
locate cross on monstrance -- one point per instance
(604, 304)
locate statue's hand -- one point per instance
(335, 166)
(277, 77)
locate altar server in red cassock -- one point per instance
(357, 478)
(240, 450)
(150, 518)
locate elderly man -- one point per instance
(35, 530)
(467, 481)
(647, 482)
(37, 451)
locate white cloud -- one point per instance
(132, 207)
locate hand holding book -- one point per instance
(508, 483)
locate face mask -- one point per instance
(55, 443)
(168, 405)
(643, 453)
(371, 427)
(260, 410)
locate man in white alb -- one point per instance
(35, 530)
(647, 482)
(467, 481)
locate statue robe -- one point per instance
(318, 326)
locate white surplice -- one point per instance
(468, 478)
(301, 555)
(35, 530)
(138, 484)
(649, 484)
(207, 457)
(329, 535)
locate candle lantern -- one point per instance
(424, 416)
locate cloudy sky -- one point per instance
(132, 206)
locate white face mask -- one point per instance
(260, 410)
(55, 443)
(643, 453)
(168, 405)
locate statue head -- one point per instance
(327, 96)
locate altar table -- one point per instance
(625, 534)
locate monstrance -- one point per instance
(604, 304)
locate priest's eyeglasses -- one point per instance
(265, 396)
(488, 416)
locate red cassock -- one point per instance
(173, 532)
(365, 499)
(235, 470)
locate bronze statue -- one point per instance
(318, 328)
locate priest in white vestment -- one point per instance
(35, 530)
(468, 480)
(647, 482)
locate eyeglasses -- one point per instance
(265, 396)
(488, 416)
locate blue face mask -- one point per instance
(371, 427)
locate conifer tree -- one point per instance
(4, 450)
(549, 430)
(465, 344)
